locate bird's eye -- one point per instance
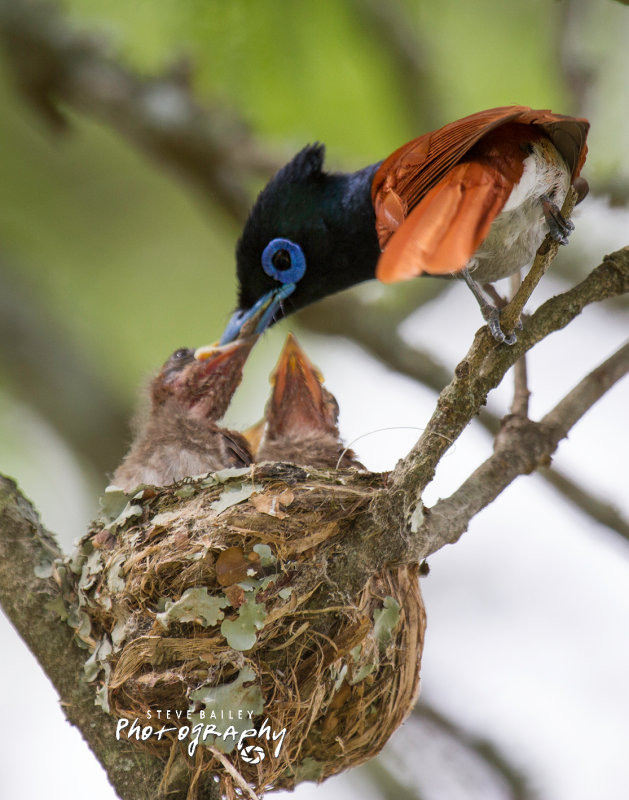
(281, 260)
(284, 261)
(183, 352)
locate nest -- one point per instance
(215, 597)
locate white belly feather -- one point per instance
(519, 229)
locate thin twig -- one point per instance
(521, 393)
(572, 407)
(229, 767)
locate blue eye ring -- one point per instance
(291, 254)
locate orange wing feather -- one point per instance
(442, 231)
(471, 197)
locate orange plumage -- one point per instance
(436, 197)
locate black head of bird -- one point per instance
(474, 198)
(180, 436)
(301, 416)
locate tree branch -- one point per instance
(521, 446)
(28, 601)
(521, 393)
(374, 326)
(574, 405)
(480, 371)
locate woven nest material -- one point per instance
(216, 595)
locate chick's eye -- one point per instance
(284, 261)
(183, 352)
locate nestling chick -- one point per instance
(180, 437)
(301, 416)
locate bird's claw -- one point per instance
(492, 317)
(559, 227)
(510, 339)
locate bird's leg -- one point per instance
(560, 228)
(491, 314)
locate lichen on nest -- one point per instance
(215, 594)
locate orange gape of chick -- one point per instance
(180, 436)
(301, 416)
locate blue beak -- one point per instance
(264, 310)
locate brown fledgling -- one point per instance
(301, 416)
(180, 437)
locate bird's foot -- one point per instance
(490, 312)
(560, 228)
(491, 315)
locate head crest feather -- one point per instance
(306, 163)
